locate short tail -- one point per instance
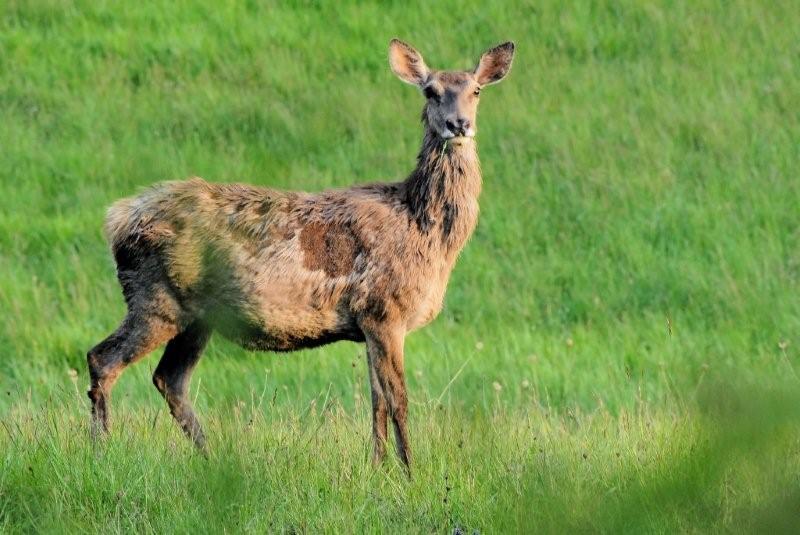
(132, 220)
(120, 221)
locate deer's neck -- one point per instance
(442, 192)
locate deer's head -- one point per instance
(452, 96)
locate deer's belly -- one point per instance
(272, 327)
(284, 307)
(266, 338)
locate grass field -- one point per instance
(619, 347)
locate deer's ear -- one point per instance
(407, 63)
(494, 64)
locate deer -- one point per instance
(275, 270)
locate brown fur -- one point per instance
(331, 248)
(280, 271)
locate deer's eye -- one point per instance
(431, 93)
(477, 92)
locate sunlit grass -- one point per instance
(729, 463)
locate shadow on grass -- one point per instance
(737, 471)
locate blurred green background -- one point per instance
(639, 230)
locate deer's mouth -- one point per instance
(450, 136)
(461, 138)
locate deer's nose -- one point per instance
(458, 127)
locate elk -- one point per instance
(283, 270)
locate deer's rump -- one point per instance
(233, 256)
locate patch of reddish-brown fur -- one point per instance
(329, 247)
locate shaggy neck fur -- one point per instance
(442, 192)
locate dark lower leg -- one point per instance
(183, 413)
(105, 364)
(98, 395)
(385, 349)
(109, 358)
(399, 409)
(172, 378)
(379, 413)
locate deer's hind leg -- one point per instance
(139, 334)
(172, 375)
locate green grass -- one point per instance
(639, 241)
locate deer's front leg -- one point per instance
(379, 410)
(385, 353)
